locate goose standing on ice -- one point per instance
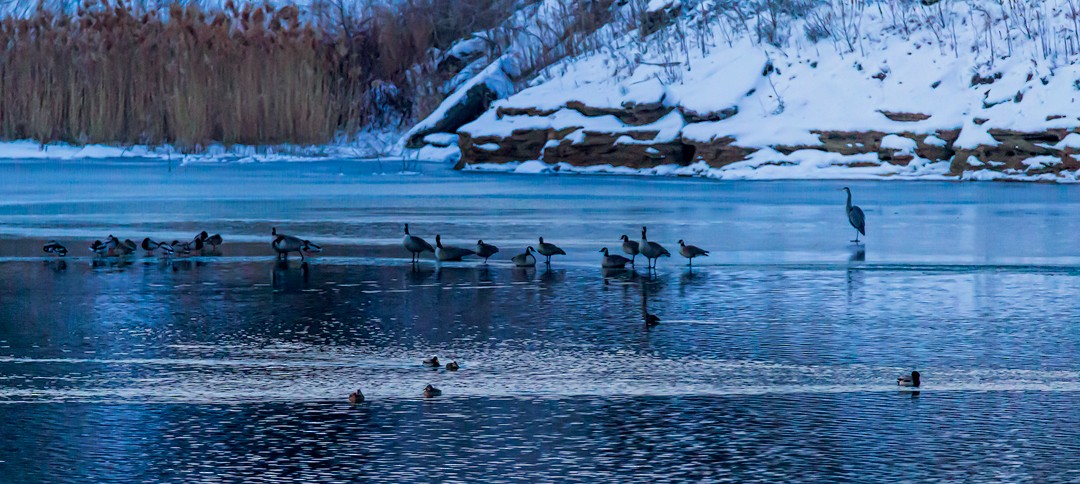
(630, 247)
(651, 250)
(449, 253)
(54, 247)
(613, 261)
(691, 251)
(855, 216)
(526, 259)
(415, 245)
(485, 250)
(547, 250)
(283, 244)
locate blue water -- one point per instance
(775, 361)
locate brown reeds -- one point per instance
(244, 74)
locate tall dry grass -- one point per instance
(245, 74)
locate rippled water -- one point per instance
(775, 361)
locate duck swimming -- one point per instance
(54, 247)
(433, 361)
(430, 391)
(356, 397)
(452, 366)
(909, 380)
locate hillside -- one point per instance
(778, 89)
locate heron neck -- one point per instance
(848, 199)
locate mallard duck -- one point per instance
(415, 245)
(691, 251)
(430, 391)
(651, 250)
(909, 380)
(452, 366)
(356, 397)
(212, 240)
(54, 247)
(630, 247)
(99, 248)
(615, 261)
(526, 259)
(547, 250)
(485, 250)
(433, 361)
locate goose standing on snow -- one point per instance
(630, 247)
(615, 261)
(651, 250)
(283, 244)
(909, 380)
(54, 247)
(855, 216)
(526, 259)
(485, 250)
(415, 245)
(449, 253)
(691, 251)
(547, 250)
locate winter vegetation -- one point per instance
(980, 89)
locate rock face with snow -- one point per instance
(896, 103)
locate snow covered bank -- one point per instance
(961, 90)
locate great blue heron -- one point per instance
(855, 216)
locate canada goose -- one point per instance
(651, 320)
(430, 391)
(283, 244)
(855, 216)
(651, 250)
(452, 366)
(547, 250)
(485, 250)
(415, 245)
(433, 361)
(691, 251)
(909, 381)
(613, 261)
(356, 397)
(526, 259)
(54, 247)
(449, 253)
(630, 247)
(99, 248)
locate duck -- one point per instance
(547, 250)
(309, 247)
(149, 245)
(128, 247)
(452, 366)
(430, 391)
(691, 251)
(433, 361)
(613, 261)
(651, 320)
(526, 259)
(356, 397)
(111, 244)
(630, 247)
(485, 250)
(415, 245)
(909, 380)
(212, 240)
(283, 244)
(186, 248)
(99, 248)
(651, 250)
(54, 247)
(446, 253)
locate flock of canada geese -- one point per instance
(283, 245)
